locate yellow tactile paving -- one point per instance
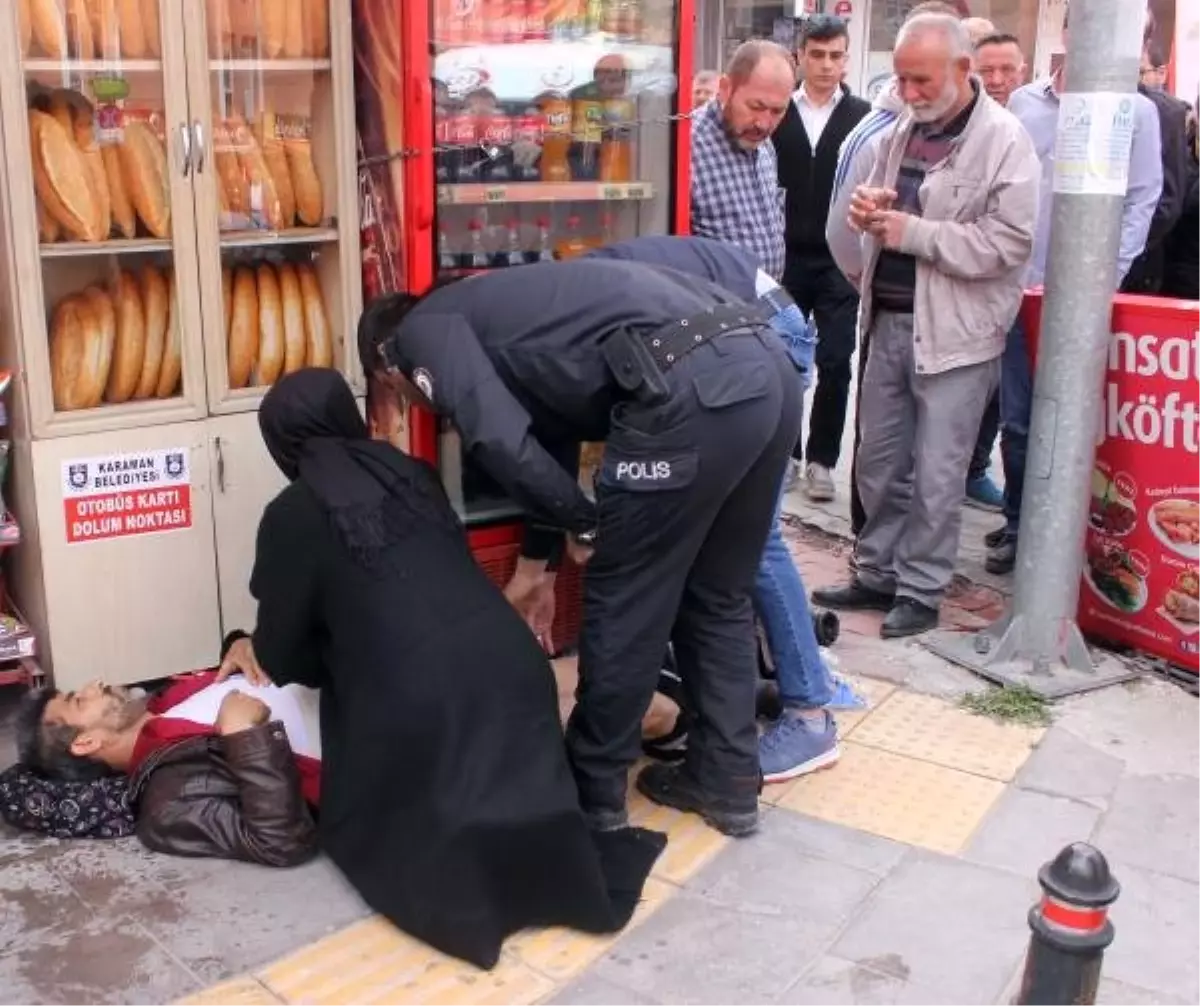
(920, 726)
(876, 693)
(899, 798)
(237, 992)
(373, 962)
(690, 842)
(561, 954)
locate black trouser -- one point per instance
(989, 429)
(858, 516)
(819, 287)
(685, 498)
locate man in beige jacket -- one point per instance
(946, 220)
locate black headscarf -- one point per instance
(373, 493)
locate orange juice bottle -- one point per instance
(573, 242)
(616, 149)
(556, 139)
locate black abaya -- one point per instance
(446, 797)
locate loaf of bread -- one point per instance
(130, 346)
(71, 328)
(105, 316)
(156, 310)
(272, 25)
(316, 321)
(277, 164)
(220, 28)
(151, 27)
(24, 27)
(172, 363)
(83, 125)
(295, 340)
(48, 23)
(295, 30)
(235, 191)
(123, 216)
(264, 198)
(242, 345)
(316, 17)
(133, 29)
(271, 344)
(144, 169)
(80, 42)
(297, 144)
(59, 106)
(61, 178)
(106, 29)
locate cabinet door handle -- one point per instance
(199, 151)
(220, 464)
(184, 150)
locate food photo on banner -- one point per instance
(1141, 571)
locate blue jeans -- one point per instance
(780, 598)
(1016, 406)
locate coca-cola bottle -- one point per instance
(465, 155)
(443, 158)
(447, 260)
(496, 138)
(511, 253)
(527, 144)
(475, 255)
(545, 250)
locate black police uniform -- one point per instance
(699, 407)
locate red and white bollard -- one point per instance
(1069, 928)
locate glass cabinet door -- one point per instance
(553, 135)
(104, 239)
(271, 88)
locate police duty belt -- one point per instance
(673, 341)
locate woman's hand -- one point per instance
(240, 659)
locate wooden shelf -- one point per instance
(95, 66)
(292, 236)
(270, 65)
(543, 192)
(121, 246)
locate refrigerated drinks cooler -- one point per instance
(496, 133)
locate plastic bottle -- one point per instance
(511, 254)
(447, 260)
(544, 252)
(587, 133)
(556, 140)
(616, 148)
(573, 242)
(528, 131)
(496, 137)
(475, 256)
(465, 155)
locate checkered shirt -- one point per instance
(735, 193)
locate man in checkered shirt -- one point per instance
(735, 190)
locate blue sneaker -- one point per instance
(984, 494)
(792, 748)
(844, 696)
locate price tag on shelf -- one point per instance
(613, 192)
(445, 194)
(636, 192)
(496, 194)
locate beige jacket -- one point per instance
(972, 241)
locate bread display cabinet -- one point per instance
(182, 229)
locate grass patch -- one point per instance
(1018, 704)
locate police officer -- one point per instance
(699, 405)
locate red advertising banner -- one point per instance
(1141, 573)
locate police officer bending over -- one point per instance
(699, 405)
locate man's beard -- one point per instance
(935, 110)
(124, 708)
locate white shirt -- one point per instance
(815, 117)
(293, 705)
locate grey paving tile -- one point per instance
(692, 951)
(592, 990)
(1025, 829)
(1154, 822)
(102, 960)
(33, 899)
(833, 982)
(1156, 920)
(237, 916)
(786, 833)
(1065, 765)
(1115, 993)
(954, 928)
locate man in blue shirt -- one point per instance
(1036, 106)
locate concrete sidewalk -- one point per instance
(903, 874)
